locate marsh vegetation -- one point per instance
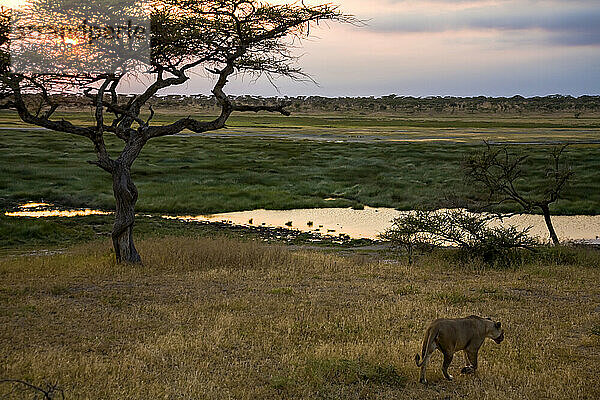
(247, 173)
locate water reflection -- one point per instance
(45, 210)
(34, 205)
(370, 222)
(356, 224)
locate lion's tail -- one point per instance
(430, 336)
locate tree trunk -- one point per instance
(546, 210)
(126, 196)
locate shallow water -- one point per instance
(45, 210)
(370, 222)
(357, 224)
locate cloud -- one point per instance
(568, 23)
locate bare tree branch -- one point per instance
(502, 175)
(51, 392)
(225, 37)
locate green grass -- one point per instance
(347, 120)
(204, 175)
(208, 317)
(19, 232)
(283, 291)
(350, 372)
(31, 234)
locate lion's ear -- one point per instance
(498, 325)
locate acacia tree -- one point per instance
(503, 176)
(223, 37)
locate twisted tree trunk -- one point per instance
(546, 210)
(126, 196)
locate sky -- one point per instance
(451, 47)
(445, 48)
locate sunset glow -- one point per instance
(439, 47)
(45, 210)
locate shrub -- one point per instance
(470, 233)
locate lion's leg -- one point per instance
(425, 360)
(468, 368)
(472, 358)
(447, 360)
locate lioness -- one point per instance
(452, 335)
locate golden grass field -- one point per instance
(223, 318)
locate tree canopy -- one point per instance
(223, 38)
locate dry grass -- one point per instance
(215, 319)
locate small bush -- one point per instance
(408, 236)
(470, 233)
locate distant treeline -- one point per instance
(575, 106)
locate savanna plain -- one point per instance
(216, 313)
